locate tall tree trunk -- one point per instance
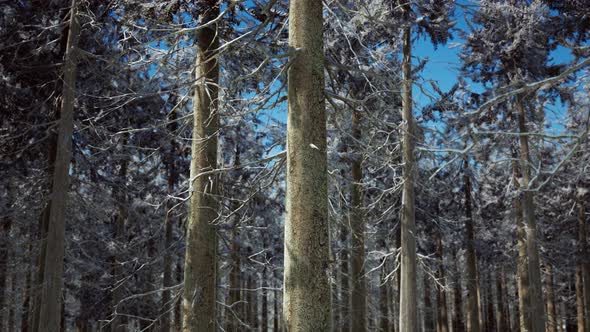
(535, 287)
(5, 226)
(120, 219)
(551, 316)
(458, 324)
(408, 320)
(307, 298)
(26, 308)
(442, 312)
(490, 318)
(177, 302)
(359, 288)
(172, 175)
(429, 312)
(503, 314)
(580, 322)
(522, 263)
(51, 293)
(583, 254)
(470, 259)
(384, 290)
(344, 279)
(200, 269)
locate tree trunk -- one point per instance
(583, 259)
(580, 323)
(307, 298)
(470, 259)
(200, 269)
(172, 175)
(5, 226)
(359, 289)
(490, 318)
(503, 314)
(408, 320)
(344, 280)
(458, 324)
(177, 304)
(429, 321)
(551, 316)
(535, 287)
(51, 293)
(522, 263)
(442, 313)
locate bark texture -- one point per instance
(408, 317)
(51, 293)
(307, 298)
(535, 287)
(359, 288)
(472, 321)
(198, 303)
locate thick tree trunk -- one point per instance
(307, 298)
(200, 269)
(470, 259)
(51, 293)
(534, 266)
(359, 288)
(408, 317)
(458, 324)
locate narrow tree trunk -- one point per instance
(307, 298)
(522, 263)
(551, 316)
(580, 322)
(584, 261)
(429, 321)
(344, 279)
(408, 317)
(458, 324)
(490, 318)
(200, 269)
(177, 302)
(502, 315)
(384, 291)
(442, 311)
(5, 225)
(26, 308)
(470, 259)
(120, 219)
(172, 175)
(51, 293)
(359, 289)
(535, 287)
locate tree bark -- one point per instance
(408, 317)
(172, 177)
(359, 288)
(344, 279)
(200, 269)
(307, 298)
(442, 312)
(458, 324)
(535, 287)
(429, 312)
(584, 261)
(470, 259)
(503, 315)
(51, 293)
(522, 263)
(551, 316)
